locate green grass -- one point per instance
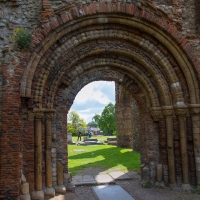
(99, 138)
(106, 156)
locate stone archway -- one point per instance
(140, 50)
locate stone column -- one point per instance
(38, 151)
(60, 188)
(181, 111)
(168, 113)
(38, 193)
(48, 164)
(195, 113)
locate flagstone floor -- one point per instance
(132, 186)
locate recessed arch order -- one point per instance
(73, 49)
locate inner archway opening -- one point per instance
(103, 153)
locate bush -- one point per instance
(21, 38)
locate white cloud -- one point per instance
(93, 98)
(92, 92)
(100, 97)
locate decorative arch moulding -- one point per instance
(73, 12)
(50, 32)
(167, 111)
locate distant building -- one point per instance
(95, 131)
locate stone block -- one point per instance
(60, 189)
(54, 183)
(197, 159)
(25, 188)
(53, 150)
(54, 179)
(54, 173)
(145, 174)
(68, 177)
(186, 187)
(70, 187)
(159, 172)
(38, 195)
(23, 178)
(49, 192)
(25, 197)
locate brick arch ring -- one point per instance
(181, 56)
(126, 68)
(164, 31)
(132, 54)
(129, 54)
(109, 72)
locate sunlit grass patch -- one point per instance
(104, 156)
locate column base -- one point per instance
(186, 187)
(49, 191)
(70, 187)
(60, 189)
(25, 197)
(38, 195)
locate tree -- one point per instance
(74, 118)
(96, 118)
(75, 123)
(72, 130)
(92, 124)
(106, 121)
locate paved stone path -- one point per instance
(100, 179)
(108, 192)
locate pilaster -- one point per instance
(168, 113)
(38, 150)
(48, 165)
(181, 112)
(194, 110)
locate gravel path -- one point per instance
(133, 187)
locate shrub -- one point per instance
(21, 38)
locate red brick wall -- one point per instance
(11, 156)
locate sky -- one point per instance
(93, 98)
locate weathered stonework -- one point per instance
(127, 119)
(148, 47)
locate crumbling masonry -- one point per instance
(150, 48)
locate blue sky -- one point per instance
(93, 98)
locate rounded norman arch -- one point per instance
(145, 54)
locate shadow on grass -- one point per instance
(110, 157)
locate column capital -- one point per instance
(46, 110)
(194, 109)
(181, 111)
(167, 111)
(49, 116)
(156, 113)
(39, 115)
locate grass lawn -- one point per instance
(104, 156)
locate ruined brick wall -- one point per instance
(136, 126)
(100, 49)
(197, 12)
(123, 117)
(128, 119)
